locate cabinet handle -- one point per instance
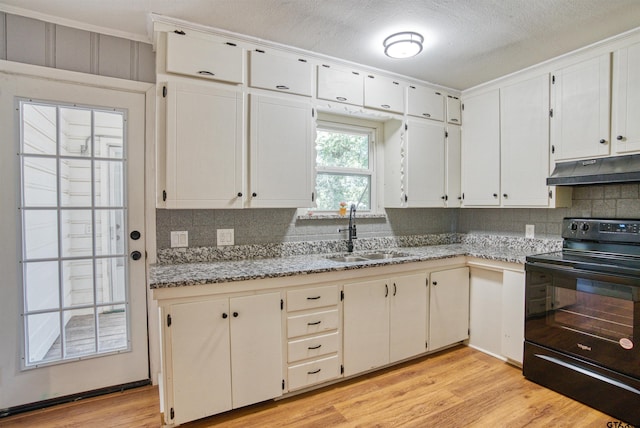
(239, 194)
(224, 315)
(426, 114)
(341, 99)
(314, 323)
(395, 289)
(235, 315)
(206, 73)
(386, 290)
(314, 371)
(434, 283)
(282, 87)
(313, 298)
(619, 138)
(454, 120)
(385, 106)
(603, 141)
(315, 347)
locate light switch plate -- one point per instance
(179, 239)
(225, 237)
(529, 231)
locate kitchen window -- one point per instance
(345, 166)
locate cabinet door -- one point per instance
(345, 86)
(256, 348)
(209, 59)
(280, 73)
(454, 114)
(524, 125)
(448, 307)
(281, 153)
(204, 147)
(626, 99)
(481, 150)
(200, 359)
(366, 326)
(453, 189)
(425, 103)
(383, 93)
(513, 315)
(407, 316)
(486, 310)
(580, 99)
(425, 160)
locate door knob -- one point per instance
(135, 235)
(136, 255)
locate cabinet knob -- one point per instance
(619, 138)
(254, 194)
(224, 315)
(504, 195)
(435, 283)
(239, 194)
(235, 315)
(495, 195)
(603, 141)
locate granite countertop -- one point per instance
(187, 274)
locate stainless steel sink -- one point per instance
(383, 256)
(347, 259)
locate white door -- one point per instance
(73, 294)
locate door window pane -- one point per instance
(43, 330)
(109, 134)
(75, 182)
(40, 229)
(77, 282)
(39, 182)
(109, 189)
(79, 332)
(77, 233)
(41, 284)
(110, 236)
(112, 328)
(110, 280)
(39, 129)
(75, 132)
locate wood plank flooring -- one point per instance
(460, 387)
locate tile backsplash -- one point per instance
(264, 226)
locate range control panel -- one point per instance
(606, 230)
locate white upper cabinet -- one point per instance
(453, 183)
(207, 58)
(580, 99)
(626, 100)
(383, 93)
(425, 102)
(481, 150)
(205, 140)
(425, 164)
(454, 115)
(524, 126)
(281, 147)
(290, 74)
(342, 85)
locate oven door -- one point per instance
(590, 315)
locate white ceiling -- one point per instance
(473, 41)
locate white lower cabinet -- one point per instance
(314, 339)
(513, 315)
(448, 307)
(384, 321)
(221, 354)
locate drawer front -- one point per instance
(311, 347)
(316, 322)
(290, 75)
(310, 298)
(313, 372)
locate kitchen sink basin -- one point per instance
(383, 256)
(347, 259)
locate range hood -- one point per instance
(618, 169)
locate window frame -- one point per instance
(351, 125)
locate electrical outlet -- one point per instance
(179, 239)
(529, 231)
(225, 237)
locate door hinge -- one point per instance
(551, 113)
(164, 195)
(164, 92)
(462, 106)
(281, 304)
(469, 331)
(341, 295)
(446, 134)
(550, 194)
(172, 414)
(341, 369)
(553, 149)
(463, 196)
(313, 112)
(283, 384)
(553, 80)
(426, 345)
(169, 322)
(406, 127)
(313, 196)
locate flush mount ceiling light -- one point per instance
(403, 45)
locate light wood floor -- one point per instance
(460, 387)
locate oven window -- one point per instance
(599, 309)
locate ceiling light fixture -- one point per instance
(403, 45)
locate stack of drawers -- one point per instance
(314, 336)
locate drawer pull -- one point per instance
(315, 347)
(341, 99)
(282, 87)
(313, 298)
(206, 73)
(314, 323)
(314, 371)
